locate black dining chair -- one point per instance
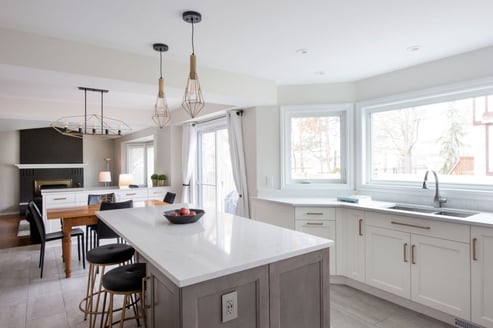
(96, 199)
(57, 235)
(102, 230)
(169, 198)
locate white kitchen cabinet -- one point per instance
(387, 260)
(350, 239)
(318, 222)
(404, 257)
(278, 214)
(135, 194)
(482, 276)
(157, 192)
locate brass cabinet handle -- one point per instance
(410, 225)
(412, 254)
(474, 241)
(131, 194)
(360, 222)
(314, 213)
(314, 223)
(404, 250)
(62, 198)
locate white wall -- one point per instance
(95, 149)
(9, 186)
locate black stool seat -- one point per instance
(112, 253)
(126, 278)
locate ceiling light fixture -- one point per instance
(193, 101)
(161, 111)
(78, 126)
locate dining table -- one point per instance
(82, 215)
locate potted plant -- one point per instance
(162, 179)
(154, 179)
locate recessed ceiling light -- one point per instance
(302, 51)
(413, 48)
(319, 73)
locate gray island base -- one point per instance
(227, 271)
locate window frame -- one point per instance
(364, 109)
(145, 145)
(345, 113)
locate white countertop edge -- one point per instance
(231, 270)
(483, 219)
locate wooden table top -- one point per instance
(90, 210)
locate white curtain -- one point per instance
(235, 135)
(189, 152)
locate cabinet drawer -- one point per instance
(314, 213)
(426, 227)
(157, 193)
(59, 200)
(134, 194)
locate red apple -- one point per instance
(173, 214)
(193, 213)
(184, 211)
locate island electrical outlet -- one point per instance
(230, 306)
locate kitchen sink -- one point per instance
(432, 210)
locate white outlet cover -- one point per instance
(229, 306)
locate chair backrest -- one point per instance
(169, 197)
(102, 198)
(38, 220)
(102, 230)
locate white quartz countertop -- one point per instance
(216, 245)
(480, 219)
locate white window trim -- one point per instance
(362, 147)
(346, 140)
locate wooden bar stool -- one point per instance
(99, 258)
(126, 280)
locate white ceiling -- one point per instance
(345, 40)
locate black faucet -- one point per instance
(437, 200)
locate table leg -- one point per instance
(67, 247)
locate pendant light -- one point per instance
(161, 111)
(193, 102)
(93, 124)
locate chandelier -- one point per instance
(93, 124)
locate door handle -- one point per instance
(404, 251)
(474, 255)
(360, 223)
(412, 254)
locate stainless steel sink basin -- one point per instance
(432, 210)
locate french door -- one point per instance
(215, 185)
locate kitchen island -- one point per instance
(280, 277)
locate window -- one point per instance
(314, 144)
(140, 162)
(450, 134)
(215, 185)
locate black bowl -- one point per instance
(183, 219)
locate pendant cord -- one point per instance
(193, 46)
(161, 63)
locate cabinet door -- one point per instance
(324, 229)
(387, 260)
(482, 276)
(440, 272)
(281, 215)
(350, 236)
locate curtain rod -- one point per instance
(238, 112)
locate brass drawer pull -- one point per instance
(405, 252)
(474, 255)
(314, 213)
(412, 254)
(315, 223)
(360, 223)
(62, 198)
(410, 225)
(131, 194)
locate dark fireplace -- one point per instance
(51, 161)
